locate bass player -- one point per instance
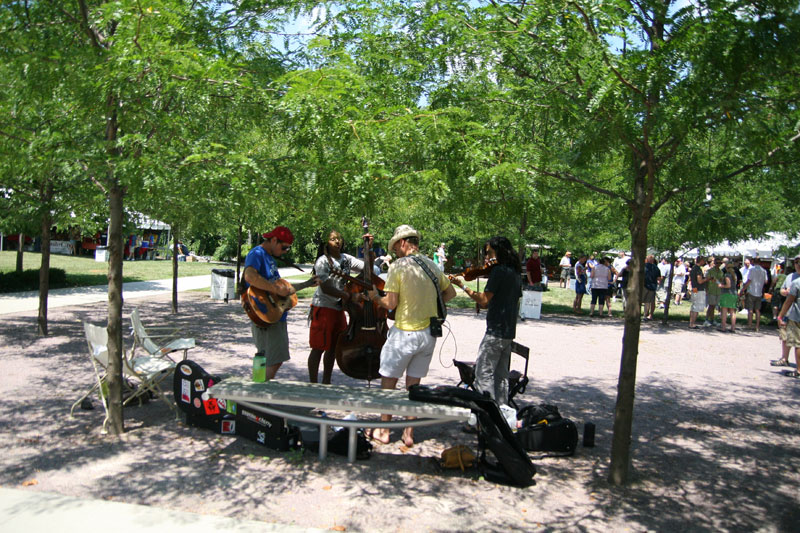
(261, 271)
(328, 318)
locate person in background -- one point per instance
(617, 267)
(789, 324)
(580, 285)
(652, 277)
(714, 275)
(727, 298)
(786, 285)
(533, 270)
(678, 280)
(441, 257)
(566, 265)
(601, 277)
(753, 290)
(698, 282)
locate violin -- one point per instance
(473, 273)
(358, 349)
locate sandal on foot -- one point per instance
(791, 374)
(779, 362)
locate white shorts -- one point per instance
(698, 302)
(407, 351)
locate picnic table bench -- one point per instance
(275, 396)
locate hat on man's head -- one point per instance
(402, 232)
(282, 233)
(797, 257)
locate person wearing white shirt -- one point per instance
(678, 280)
(753, 288)
(566, 266)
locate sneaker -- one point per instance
(707, 324)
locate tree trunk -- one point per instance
(626, 386)
(175, 272)
(238, 257)
(116, 193)
(44, 271)
(19, 251)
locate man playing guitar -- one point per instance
(261, 271)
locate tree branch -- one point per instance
(563, 176)
(763, 162)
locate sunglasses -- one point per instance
(285, 247)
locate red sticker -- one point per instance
(211, 407)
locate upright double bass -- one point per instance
(358, 349)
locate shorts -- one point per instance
(580, 288)
(790, 334)
(565, 273)
(728, 301)
(712, 300)
(752, 303)
(677, 287)
(326, 326)
(648, 296)
(698, 302)
(272, 341)
(599, 294)
(407, 351)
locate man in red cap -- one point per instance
(261, 271)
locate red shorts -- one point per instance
(326, 325)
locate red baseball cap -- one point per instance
(282, 233)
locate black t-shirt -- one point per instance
(695, 274)
(651, 275)
(506, 289)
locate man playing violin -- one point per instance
(261, 271)
(328, 318)
(501, 298)
(409, 345)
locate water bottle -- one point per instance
(588, 435)
(259, 368)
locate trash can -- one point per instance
(101, 254)
(531, 305)
(223, 284)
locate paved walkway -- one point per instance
(20, 302)
(28, 511)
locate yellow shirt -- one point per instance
(416, 302)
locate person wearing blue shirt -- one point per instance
(261, 271)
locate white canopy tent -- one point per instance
(766, 248)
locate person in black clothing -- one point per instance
(501, 298)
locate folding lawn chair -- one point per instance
(517, 382)
(147, 372)
(167, 340)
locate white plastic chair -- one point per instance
(148, 372)
(162, 344)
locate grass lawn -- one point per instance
(85, 271)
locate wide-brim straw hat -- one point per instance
(402, 232)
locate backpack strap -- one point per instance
(439, 303)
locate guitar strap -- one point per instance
(440, 307)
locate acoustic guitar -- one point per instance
(273, 305)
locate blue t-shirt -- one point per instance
(265, 265)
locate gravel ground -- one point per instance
(716, 444)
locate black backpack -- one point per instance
(543, 429)
(511, 466)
